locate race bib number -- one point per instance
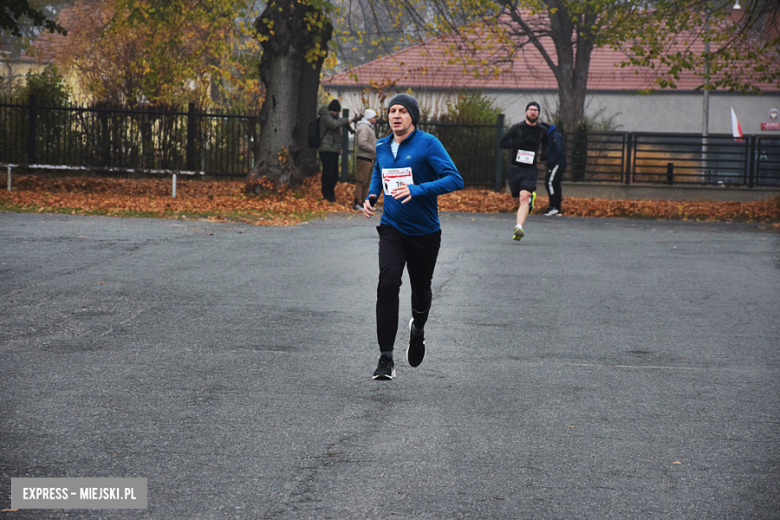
(394, 178)
(525, 156)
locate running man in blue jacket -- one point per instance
(412, 169)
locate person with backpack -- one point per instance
(556, 166)
(330, 125)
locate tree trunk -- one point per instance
(571, 74)
(572, 58)
(571, 100)
(288, 35)
(573, 65)
(308, 90)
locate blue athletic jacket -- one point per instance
(433, 173)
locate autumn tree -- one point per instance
(294, 36)
(155, 52)
(486, 36)
(368, 29)
(738, 48)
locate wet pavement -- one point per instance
(598, 369)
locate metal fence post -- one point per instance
(757, 162)
(499, 151)
(344, 148)
(629, 157)
(32, 118)
(191, 130)
(105, 138)
(750, 161)
(626, 155)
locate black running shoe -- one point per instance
(385, 369)
(416, 351)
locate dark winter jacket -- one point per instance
(330, 129)
(556, 149)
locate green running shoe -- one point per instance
(531, 202)
(519, 233)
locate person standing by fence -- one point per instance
(365, 153)
(524, 139)
(330, 146)
(556, 166)
(412, 169)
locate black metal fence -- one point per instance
(223, 144)
(679, 159)
(116, 138)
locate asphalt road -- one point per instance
(599, 369)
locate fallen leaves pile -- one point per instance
(488, 201)
(217, 201)
(227, 201)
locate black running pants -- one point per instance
(553, 185)
(418, 254)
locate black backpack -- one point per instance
(315, 139)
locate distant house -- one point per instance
(44, 49)
(613, 92)
(15, 66)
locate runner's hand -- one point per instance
(368, 209)
(402, 192)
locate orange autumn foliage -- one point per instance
(488, 201)
(227, 200)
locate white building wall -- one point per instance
(684, 111)
(666, 111)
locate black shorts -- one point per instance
(522, 179)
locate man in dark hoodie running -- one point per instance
(524, 140)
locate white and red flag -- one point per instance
(736, 128)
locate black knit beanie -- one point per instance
(407, 102)
(334, 106)
(533, 104)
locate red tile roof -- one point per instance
(81, 13)
(427, 65)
